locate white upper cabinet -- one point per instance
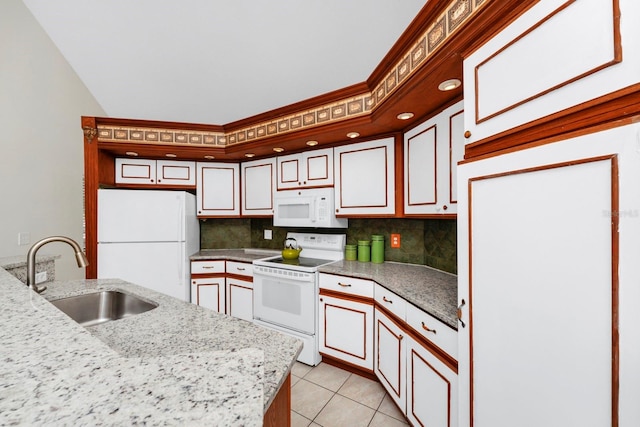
(308, 169)
(218, 189)
(431, 153)
(556, 56)
(365, 178)
(155, 172)
(258, 185)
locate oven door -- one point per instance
(286, 298)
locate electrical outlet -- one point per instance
(268, 234)
(41, 277)
(24, 238)
(395, 240)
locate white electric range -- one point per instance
(285, 292)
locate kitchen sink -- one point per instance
(99, 307)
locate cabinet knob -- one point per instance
(444, 207)
(467, 134)
(159, 180)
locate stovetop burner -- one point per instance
(300, 262)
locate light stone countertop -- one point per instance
(21, 260)
(178, 364)
(429, 289)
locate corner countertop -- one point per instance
(241, 255)
(178, 364)
(429, 289)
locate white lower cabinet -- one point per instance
(226, 287)
(346, 330)
(432, 388)
(390, 358)
(240, 298)
(209, 292)
(346, 319)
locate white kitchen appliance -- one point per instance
(285, 292)
(146, 237)
(310, 207)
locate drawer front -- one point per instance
(240, 268)
(392, 302)
(347, 285)
(434, 330)
(207, 267)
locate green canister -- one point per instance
(364, 251)
(377, 249)
(350, 252)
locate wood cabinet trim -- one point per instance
(326, 168)
(386, 180)
(345, 296)
(451, 161)
(199, 285)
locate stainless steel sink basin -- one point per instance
(99, 307)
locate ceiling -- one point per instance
(216, 62)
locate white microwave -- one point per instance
(312, 207)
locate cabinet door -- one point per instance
(533, 69)
(390, 358)
(365, 178)
(240, 298)
(346, 330)
(209, 292)
(171, 172)
(547, 242)
(135, 171)
(431, 153)
(318, 168)
(218, 189)
(309, 169)
(258, 185)
(432, 389)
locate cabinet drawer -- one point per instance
(392, 302)
(347, 285)
(240, 268)
(434, 330)
(207, 267)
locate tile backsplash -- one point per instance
(429, 242)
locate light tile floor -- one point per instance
(332, 397)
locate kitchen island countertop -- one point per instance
(177, 364)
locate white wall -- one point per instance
(41, 162)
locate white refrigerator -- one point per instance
(146, 237)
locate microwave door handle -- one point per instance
(314, 211)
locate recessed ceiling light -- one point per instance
(131, 153)
(449, 84)
(170, 155)
(278, 149)
(353, 135)
(404, 116)
(209, 157)
(312, 143)
(249, 155)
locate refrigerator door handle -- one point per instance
(182, 241)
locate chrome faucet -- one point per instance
(81, 259)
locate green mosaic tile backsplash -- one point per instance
(429, 242)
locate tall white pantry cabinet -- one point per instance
(549, 232)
